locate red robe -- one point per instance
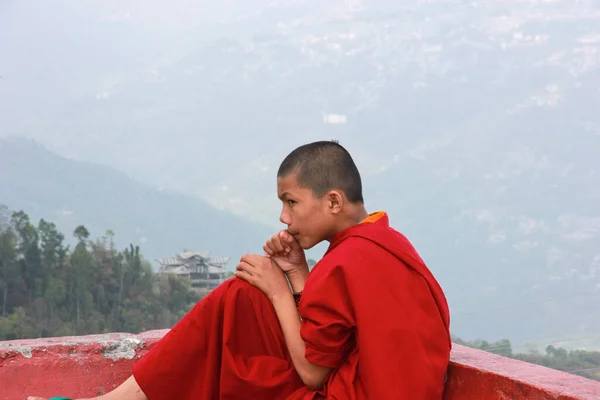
(371, 310)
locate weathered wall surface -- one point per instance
(477, 375)
(92, 365)
(70, 366)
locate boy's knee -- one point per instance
(242, 287)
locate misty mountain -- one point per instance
(475, 124)
(162, 223)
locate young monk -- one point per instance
(368, 322)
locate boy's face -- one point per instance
(307, 217)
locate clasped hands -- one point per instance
(283, 256)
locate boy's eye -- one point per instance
(291, 202)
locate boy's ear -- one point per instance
(335, 201)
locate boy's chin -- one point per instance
(308, 244)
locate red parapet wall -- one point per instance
(95, 364)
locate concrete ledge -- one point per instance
(478, 375)
(95, 364)
(80, 366)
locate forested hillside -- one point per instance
(50, 289)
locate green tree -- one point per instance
(29, 254)
(9, 270)
(81, 277)
(47, 289)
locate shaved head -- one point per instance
(324, 166)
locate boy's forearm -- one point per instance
(312, 375)
(297, 278)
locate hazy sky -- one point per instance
(475, 124)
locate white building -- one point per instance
(204, 272)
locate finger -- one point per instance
(253, 259)
(246, 258)
(242, 275)
(244, 267)
(268, 250)
(279, 245)
(269, 244)
(245, 277)
(273, 245)
(289, 240)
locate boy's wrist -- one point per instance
(281, 297)
(297, 278)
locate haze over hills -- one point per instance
(162, 223)
(475, 124)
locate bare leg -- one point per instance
(128, 390)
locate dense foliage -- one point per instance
(49, 289)
(578, 362)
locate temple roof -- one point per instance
(187, 257)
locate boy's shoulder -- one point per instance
(355, 246)
(353, 251)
